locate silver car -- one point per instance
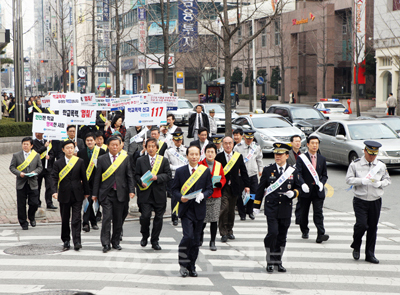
(219, 109)
(270, 128)
(182, 113)
(342, 141)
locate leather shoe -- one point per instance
(77, 246)
(156, 247)
(270, 268)
(372, 259)
(243, 218)
(322, 238)
(212, 246)
(25, 228)
(224, 239)
(120, 238)
(106, 248)
(192, 273)
(356, 254)
(143, 242)
(86, 228)
(33, 223)
(281, 268)
(51, 207)
(251, 215)
(66, 246)
(304, 235)
(231, 237)
(117, 247)
(95, 227)
(175, 222)
(183, 271)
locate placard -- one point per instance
(104, 103)
(144, 115)
(88, 99)
(57, 100)
(127, 100)
(45, 101)
(79, 115)
(53, 127)
(165, 98)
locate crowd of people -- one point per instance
(100, 168)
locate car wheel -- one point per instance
(353, 156)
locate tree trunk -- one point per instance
(227, 94)
(93, 82)
(165, 27)
(117, 49)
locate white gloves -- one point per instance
(365, 181)
(377, 184)
(199, 198)
(305, 188)
(321, 186)
(256, 211)
(289, 194)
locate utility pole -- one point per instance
(75, 44)
(18, 61)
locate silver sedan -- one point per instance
(342, 141)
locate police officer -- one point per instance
(252, 156)
(278, 203)
(176, 156)
(217, 140)
(368, 176)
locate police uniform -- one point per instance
(217, 139)
(367, 180)
(277, 207)
(254, 166)
(166, 137)
(213, 123)
(175, 163)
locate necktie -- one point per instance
(281, 170)
(177, 149)
(193, 170)
(229, 157)
(314, 161)
(152, 163)
(115, 183)
(199, 120)
(91, 154)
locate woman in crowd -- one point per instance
(116, 127)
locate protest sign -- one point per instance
(54, 127)
(125, 101)
(79, 115)
(57, 100)
(148, 114)
(164, 98)
(88, 99)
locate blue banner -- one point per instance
(141, 14)
(106, 11)
(135, 77)
(188, 27)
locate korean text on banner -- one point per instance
(88, 99)
(125, 101)
(170, 101)
(45, 102)
(57, 100)
(79, 115)
(54, 127)
(104, 104)
(148, 114)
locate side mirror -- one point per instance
(340, 137)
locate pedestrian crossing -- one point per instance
(237, 267)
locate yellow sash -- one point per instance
(160, 144)
(12, 108)
(27, 161)
(217, 168)
(154, 171)
(67, 169)
(102, 118)
(190, 182)
(5, 104)
(231, 163)
(113, 167)
(42, 155)
(36, 107)
(50, 111)
(124, 152)
(104, 147)
(90, 168)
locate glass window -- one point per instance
(282, 112)
(371, 131)
(334, 106)
(184, 104)
(265, 122)
(277, 32)
(219, 108)
(341, 130)
(307, 114)
(393, 123)
(329, 129)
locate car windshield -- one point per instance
(306, 114)
(371, 131)
(183, 104)
(218, 108)
(393, 123)
(274, 122)
(334, 106)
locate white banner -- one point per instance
(127, 100)
(57, 100)
(79, 115)
(46, 102)
(53, 126)
(170, 101)
(88, 99)
(104, 104)
(149, 114)
(360, 30)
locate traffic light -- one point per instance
(44, 60)
(67, 71)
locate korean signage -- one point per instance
(104, 104)
(142, 36)
(45, 102)
(57, 100)
(125, 101)
(164, 98)
(187, 10)
(54, 127)
(150, 61)
(88, 99)
(148, 114)
(141, 13)
(360, 38)
(135, 81)
(106, 18)
(79, 115)
(296, 21)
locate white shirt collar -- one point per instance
(112, 157)
(66, 160)
(284, 167)
(226, 154)
(190, 168)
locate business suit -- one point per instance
(40, 148)
(277, 209)
(131, 148)
(152, 199)
(79, 143)
(89, 215)
(315, 196)
(84, 130)
(164, 147)
(113, 194)
(27, 187)
(71, 192)
(230, 192)
(192, 133)
(292, 161)
(191, 213)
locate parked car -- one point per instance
(219, 109)
(182, 113)
(270, 128)
(392, 121)
(342, 141)
(331, 107)
(302, 116)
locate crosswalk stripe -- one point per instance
(83, 237)
(328, 230)
(264, 224)
(130, 291)
(19, 289)
(313, 236)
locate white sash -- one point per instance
(203, 154)
(310, 168)
(137, 136)
(281, 180)
(375, 170)
(179, 156)
(252, 151)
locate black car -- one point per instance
(303, 116)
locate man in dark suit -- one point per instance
(278, 204)
(197, 120)
(232, 189)
(101, 119)
(69, 180)
(201, 142)
(152, 197)
(312, 187)
(113, 185)
(22, 163)
(85, 129)
(41, 145)
(79, 144)
(90, 155)
(162, 146)
(191, 212)
(133, 141)
(294, 153)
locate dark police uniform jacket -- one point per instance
(277, 205)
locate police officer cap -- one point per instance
(178, 134)
(372, 147)
(217, 138)
(212, 111)
(249, 134)
(281, 148)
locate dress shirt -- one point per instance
(226, 156)
(190, 168)
(26, 155)
(284, 168)
(112, 157)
